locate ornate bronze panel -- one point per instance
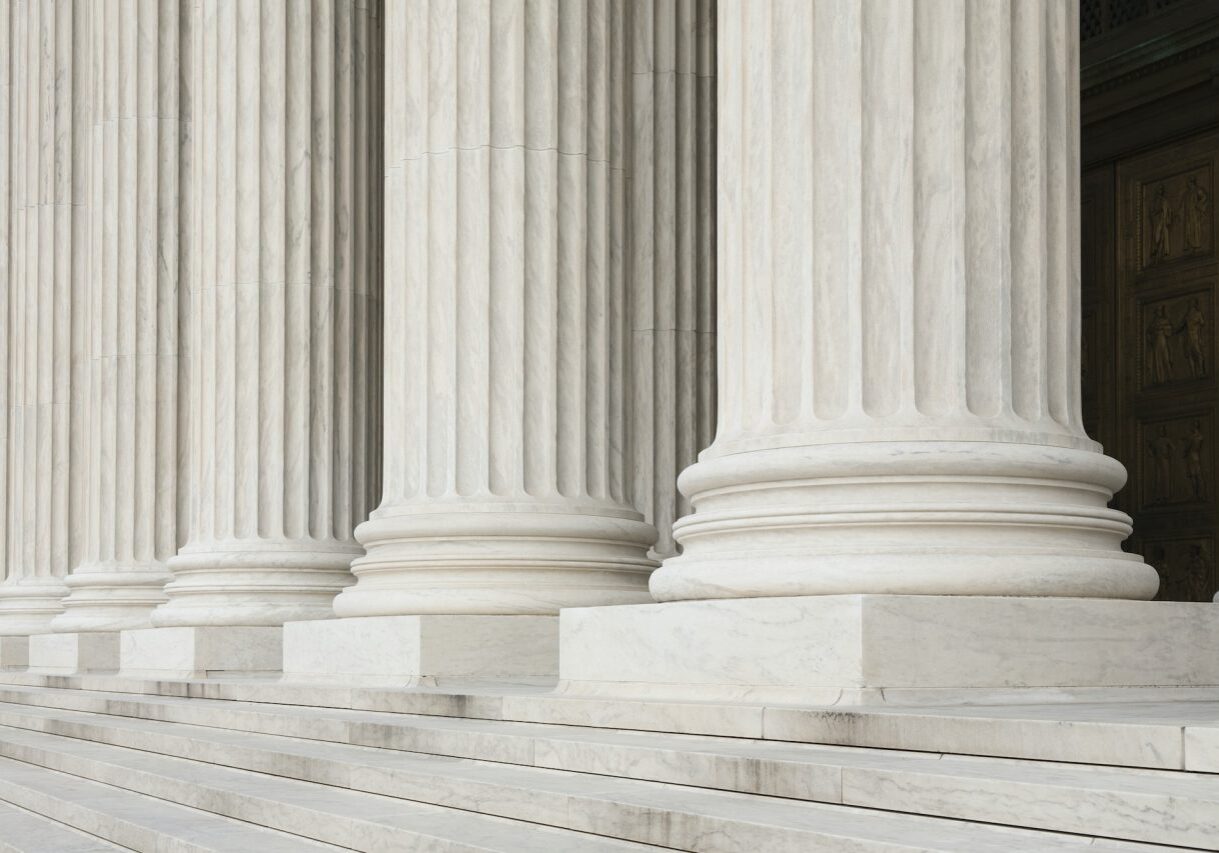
(1163, 417)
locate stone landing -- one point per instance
(405, 650)
(867, 648)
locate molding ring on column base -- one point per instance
(111, 596)
(27, 605)
(912, 518)
(254, 584)
(482, 560)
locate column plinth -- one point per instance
(899, 313)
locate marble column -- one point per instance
(47, 276)
(670, 247)
(505, 490)
(136, 257)
(898, 251)
(284, 369)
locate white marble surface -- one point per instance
(284, 310)
(608, 782)
(416, 649)
(69, 653)
(135, 251)
(794, 648)
(669, 250)
(14, 652)
(898, 325)
(192, 652)
(47, 135)
(546, 266)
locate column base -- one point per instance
(71, 653)
(201, 652)
(904, 517)
(14, 653)
(850, 648)
(405, 650)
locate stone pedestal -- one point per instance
(14, 652)
(74, 652)
(201, 652)
(861, 648)
(415, 650)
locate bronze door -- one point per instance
(1153, 403)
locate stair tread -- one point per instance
(1148, 805)
(724, 813)
(97, 803)
(24, 831)
(263, 795)
(1121, 779)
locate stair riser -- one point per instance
(1114, 814)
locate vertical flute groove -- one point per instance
(670, 262)
(285, 386)
(47, 263)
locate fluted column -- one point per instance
(135, 255)
(505, 490)
(47, 248)
(283, 368)
(670, 250)
(899, 405)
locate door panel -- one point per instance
(1164, 417)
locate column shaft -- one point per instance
(505, 490)
(136, 256)
(670, 246)
(899, 405)
(284, 365)
(47, 248)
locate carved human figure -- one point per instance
(1192, 324)
(1197, 573)
(1194, 203)
(1161, 222)
(1160, 330)
(1162, 450)
(1193, 461)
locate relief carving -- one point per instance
(1186, 569)
(1159, 330)
(1176, 458)
(1192, 325)
(1161, 225)
(1177, 215)
(1194, 204)
(1163, 452)
(1177, 341)
(1193, 462)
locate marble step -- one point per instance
(131, 821)
(337, 816)
(723, 823)
(1173, 732)
(22, 831)
(1152, 806)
